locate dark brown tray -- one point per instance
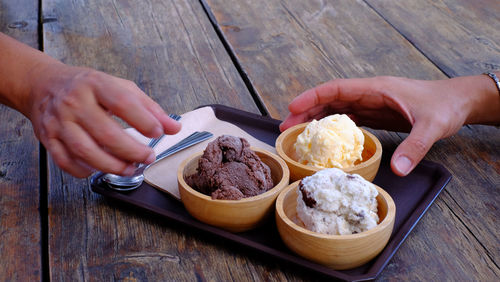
(413, 195)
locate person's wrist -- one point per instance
(494, 78)
(42, 75)
(484, 100)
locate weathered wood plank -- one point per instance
(463, 37)
(288, 46)
(430, 251)
(170, 49)
(19, 174)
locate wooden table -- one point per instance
(255, 56)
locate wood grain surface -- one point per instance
(168, 48)
(286, 47)
(20, 227)
(463, 37)
(289, 46)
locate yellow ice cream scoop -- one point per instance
(333, 141)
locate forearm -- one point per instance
(483, 98)
(19, 64)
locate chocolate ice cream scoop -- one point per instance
(230, 170)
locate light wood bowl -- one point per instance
(336, 251)
(372, 154)
(233, 215)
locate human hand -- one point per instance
(429, 110)
(71, 110)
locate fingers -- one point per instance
(125, 103)
(293, 119)
(76, 152)
(125, 100)
(413, 149)
(170, 126)
(347, 96)
(100, 128)
(71, 116)
(343, 90)
(62, 159)
(84, 123)
(82, 147)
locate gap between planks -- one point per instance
(227, 46)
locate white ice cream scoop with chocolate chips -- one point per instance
(335, 203)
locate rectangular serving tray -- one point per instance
(413, 195)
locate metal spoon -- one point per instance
(152, 143)
(128, 183)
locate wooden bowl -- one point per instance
(335, 251)
(372, 154)
(233, 215)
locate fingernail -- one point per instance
(129, 170)
(151, 158)
(282, 127)
(403, 165)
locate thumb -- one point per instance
(413, 149)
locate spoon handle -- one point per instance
(189, 141)
(154, 141)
